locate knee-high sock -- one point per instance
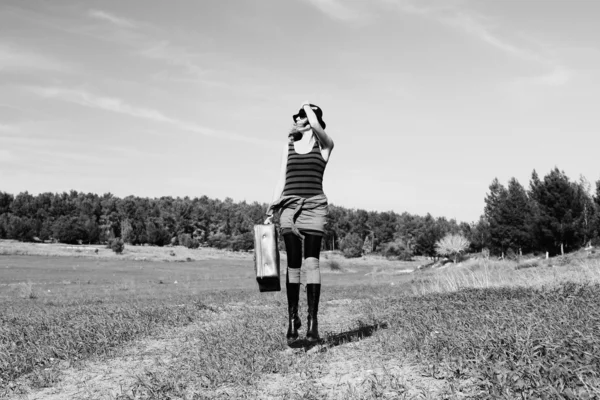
(293, 275)
(313, 273)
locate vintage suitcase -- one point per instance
(266, 258)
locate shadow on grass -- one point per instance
(332, 340)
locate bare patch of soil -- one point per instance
(354, 370)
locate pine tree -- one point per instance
(479, 235)
(517, 217)
(426, 236)
(495, 214)
(6, 200)
(596, 204)
(556, 211)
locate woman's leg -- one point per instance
(293, 247)
(312, 250)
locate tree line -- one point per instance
(555, 214)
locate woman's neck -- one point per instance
(306, 137)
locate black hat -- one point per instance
(318, 113)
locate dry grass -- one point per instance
(372, 265)
(481, 329)
(483, 273)
(131, 253)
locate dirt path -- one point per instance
(354, 369)
(341, 369)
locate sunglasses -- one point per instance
(302, 114)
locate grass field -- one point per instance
(94, 325)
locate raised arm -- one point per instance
(325, 140)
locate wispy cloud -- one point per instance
(15, 58)
(340, 10)
(425, 8)
(56, 149)
(557, 77)
(456, 15)
(87, 99)
(480, 27)
(473, 25)
(173, 55)
(466, 21)
(116, 105)
(113, 19)
(142, 37)
(183, 64)
(187, 64)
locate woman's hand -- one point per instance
(269, 214)
(294, 129)
(299, 127)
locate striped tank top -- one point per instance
(304, 172)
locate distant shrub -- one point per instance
(156, 234)
(218, 240)
(3, 224)
(398, 250)
(243, 242)
(45, 232)
(117, 245)
(186, 240)
(127, 233)
(485, 253)
(511, 255)
(351, 245)
(18, 228)
(452, 245)
(334, 265)
(367, 245)
(27, 291)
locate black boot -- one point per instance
(294, 323)
(313, 292)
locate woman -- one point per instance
(303, 205)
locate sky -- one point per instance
(427, 101)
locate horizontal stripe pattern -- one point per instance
(304, 172)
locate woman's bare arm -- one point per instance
(278, 191)
(325, 140)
